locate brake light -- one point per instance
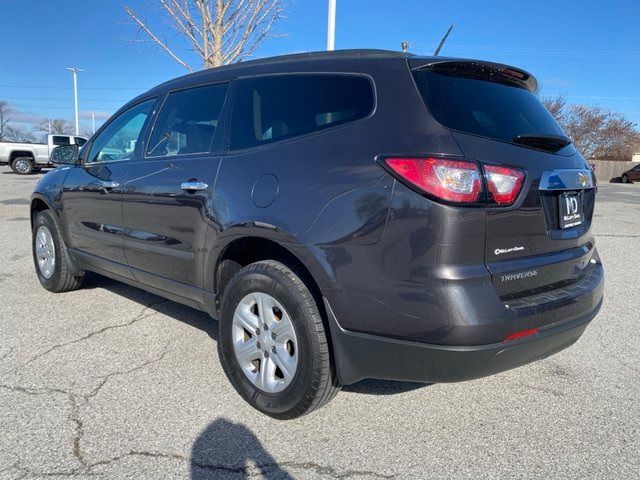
(503, 183)
(450, 180)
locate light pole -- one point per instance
(331, 25)
(75, 71)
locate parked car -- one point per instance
(346, 215)
(631, 175)
(25, 158)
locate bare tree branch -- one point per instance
(218, 31)
(4, 118)
(159, 42)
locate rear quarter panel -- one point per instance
(331, 208)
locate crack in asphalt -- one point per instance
(618, 235)
(325, 471)
(33, 390)
(75, 405)
(77, 401)
(6, 355)
(616, 357)
(137, 318)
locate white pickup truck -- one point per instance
(25, 158)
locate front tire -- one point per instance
(22, 165)
(50, 257)
(273, 346)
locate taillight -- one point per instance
(503, 183)
(450, 180)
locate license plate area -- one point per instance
(570, 210)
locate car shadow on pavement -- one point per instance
(182, 313)
(223, 450)
(204, 322)
(383, 387)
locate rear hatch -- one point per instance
(542, 239)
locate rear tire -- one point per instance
(22, 165)
(625, 179)
(288, 306)
(50, 257)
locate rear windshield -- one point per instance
(464, 101)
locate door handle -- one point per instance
(193, 185)
(108, 185)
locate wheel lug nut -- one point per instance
(265, 327)
(266, 354)
(257, 331)
(273, 335)
(258, 345)
(273, 349)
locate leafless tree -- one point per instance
(17, 134)
(219, 32)
(556, 106)
(58, 126)
(596, 131)
(4, 118)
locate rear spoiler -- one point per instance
(478, 69)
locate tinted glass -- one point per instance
(80, 141)
(484, 107)
(274, 108)
(187, 122)
(61, 140)
(118, 140)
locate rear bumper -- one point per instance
(564, 316)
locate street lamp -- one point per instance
(331, 25)
(75, 71)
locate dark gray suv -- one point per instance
(346, 215)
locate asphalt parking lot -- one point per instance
(115, 382)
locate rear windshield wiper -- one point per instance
(552, 143)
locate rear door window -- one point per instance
(271, 108)
(187, 121)
(61, 140)
(484, 102)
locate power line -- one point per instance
(71, 88)
(65, 98)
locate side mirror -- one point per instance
(64, 155)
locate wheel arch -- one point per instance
(21, 153)
(244, 250)
(38, 204)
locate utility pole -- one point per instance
(93, 122)
(331, 26)
(75, 71)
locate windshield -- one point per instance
(489, 106)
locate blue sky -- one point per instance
(589, 50)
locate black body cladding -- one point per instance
(388, 265)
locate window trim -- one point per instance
(227, 140)
(86, 148)
(217, 142)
